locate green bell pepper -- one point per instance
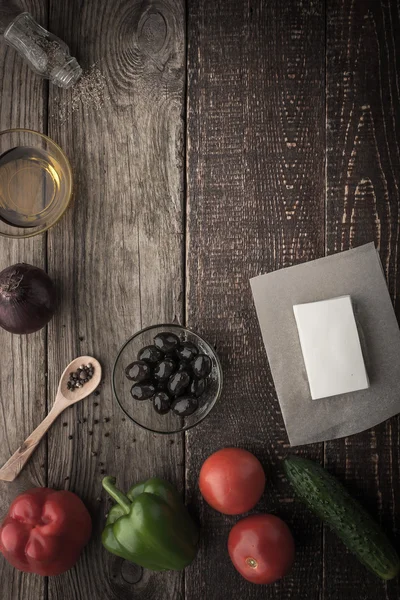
(150, 526)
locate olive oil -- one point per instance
(31, 180)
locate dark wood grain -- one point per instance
(255, 204)
(117, 256)
(255, 189)
(22, 364)
(363, 166)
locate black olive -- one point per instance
(143, 391)
(150, 354)
(138, 371)
(178, 382)
(201, 366)
(161, 386)
(187, 351)
(197, 387)
(164, 369)
(185, 405)
(184, 366)
(161, 403)
(166, 342)
(173, 355)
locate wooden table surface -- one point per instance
(238, 137)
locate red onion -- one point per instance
(27, 299)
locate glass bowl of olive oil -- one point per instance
(35, 183)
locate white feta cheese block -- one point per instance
(331, 347)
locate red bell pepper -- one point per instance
(45, 531)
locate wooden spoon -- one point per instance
(64, 398)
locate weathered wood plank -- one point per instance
(118, 258)
(23, 100)
(255, 204)
(363, 166)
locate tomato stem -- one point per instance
(251, 562)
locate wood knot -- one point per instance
(131, 573)
(154, 34)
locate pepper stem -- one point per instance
(108, 484)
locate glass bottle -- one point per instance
(46, 54)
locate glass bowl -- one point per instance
(35, 183)
(142, 412)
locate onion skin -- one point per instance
(27, 299)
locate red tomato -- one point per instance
(232, 481)
(261, 548)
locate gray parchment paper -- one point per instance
(358, 273)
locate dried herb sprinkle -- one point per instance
(88, 93)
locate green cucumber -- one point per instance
(329, 500)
